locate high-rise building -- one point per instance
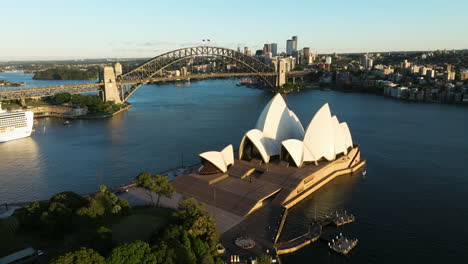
(423, 71)
(430, 73)
(247, 51)
(268, 57)
(294, 39)
(274, 49)
(463, 75)
(405, 64)
(449, 76)
(328, 61)
(297, 54)
(266, 48)
(289, 47)
(448, 67)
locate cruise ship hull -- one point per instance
(15, 135)
(16, 125)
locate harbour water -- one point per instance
(410, 207)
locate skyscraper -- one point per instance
(266, 48)
(247, 51)
(289, 47)
(294, 39)
(306, 54)
(274, 49)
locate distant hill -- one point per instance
(65, 74)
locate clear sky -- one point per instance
(50, 29)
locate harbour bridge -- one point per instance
(116, 86)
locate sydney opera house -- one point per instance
(278, 161)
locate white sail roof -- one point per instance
(275, 124)
(295, 148)
(319, 136)
(220, 159)
(278, 122)
(340, 146)
(348, 140)
(325, 137)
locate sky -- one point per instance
(51, 30)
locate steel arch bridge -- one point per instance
(148, 70)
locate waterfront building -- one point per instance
(183, 71)
(277, 159)
(274, 49)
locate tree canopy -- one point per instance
(81, 256)
(135, 252)
(156, 183)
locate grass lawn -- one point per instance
(140, 224)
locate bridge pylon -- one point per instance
(280, 68)
(111, 89)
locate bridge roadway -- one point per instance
(21, 93)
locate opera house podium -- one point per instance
(278, 162)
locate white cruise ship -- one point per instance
(15, 124)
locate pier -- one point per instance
(338, 244)
(341, 244)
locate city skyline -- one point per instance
(50, 31)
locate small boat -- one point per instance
(66, 122)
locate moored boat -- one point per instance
(15, 124)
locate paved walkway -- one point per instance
(139, 197)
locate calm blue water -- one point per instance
(17, 77)
(411, 206)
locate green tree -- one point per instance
(264, 259)
(81, 256)
(103, 203)
(193, 217)
(154, 184)
(132, 253)
(61, 98)
(102, 240)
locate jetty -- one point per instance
(339, 244)
(342, 245)
(315, 230)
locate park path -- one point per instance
(138, 197)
